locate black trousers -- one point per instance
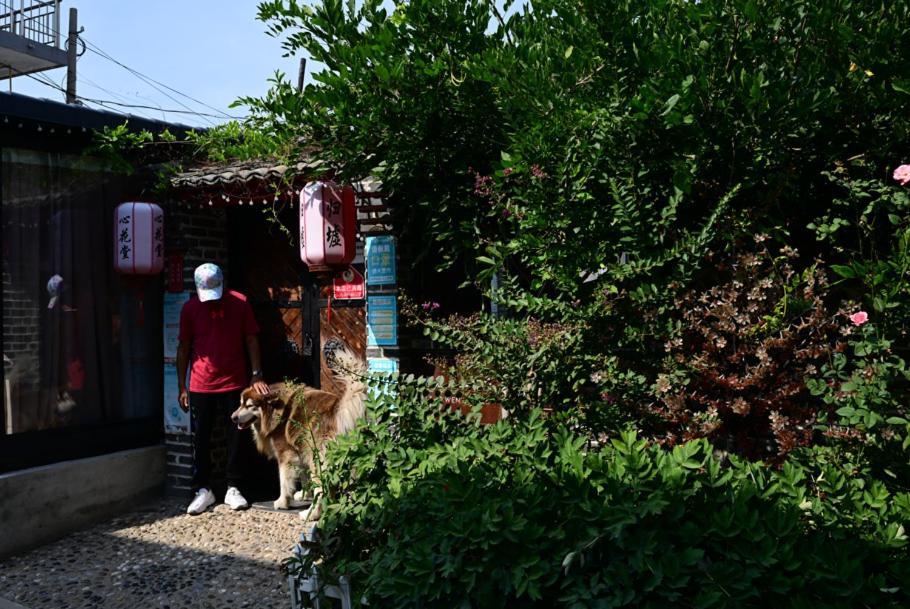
(206, 408)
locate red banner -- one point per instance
(350, 285)
(175, 272)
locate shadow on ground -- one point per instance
(158, 557)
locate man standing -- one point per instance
(214, 328)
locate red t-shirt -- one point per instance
(217, 330)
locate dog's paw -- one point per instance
(281, 504)
(311, 513)
(299, 495)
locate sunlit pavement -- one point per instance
(159, 557)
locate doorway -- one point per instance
(264, 264)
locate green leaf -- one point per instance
(670, 104)
(844, 271)
(568, 52)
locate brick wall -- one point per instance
(20, 330)
(202, 233)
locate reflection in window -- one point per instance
(81, 344)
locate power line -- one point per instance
(105, 102)
(83, 78)
(88, 45)
(201, 103)
(149, 82)
(43, 79)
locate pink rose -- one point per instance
(902, 174)
(859, 318)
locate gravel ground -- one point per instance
(159, 557)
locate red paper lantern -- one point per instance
(327, 226)
(138, 239)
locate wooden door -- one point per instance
(265, 265)
(344, 321)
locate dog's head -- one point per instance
(256, 407)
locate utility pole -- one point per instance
(301, 74)
(71, 43)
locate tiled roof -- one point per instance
(239, 173)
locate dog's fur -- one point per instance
(293, 425)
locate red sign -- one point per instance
(175, 272)
(350, 285)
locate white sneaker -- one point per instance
(204, 498)
(234, 500)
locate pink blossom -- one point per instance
(483, 185)
(902, 174)
(507, 171)
(430, 306)
(859, 318)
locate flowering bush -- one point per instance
(591, 156)
(737, 369)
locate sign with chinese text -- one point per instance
(328, 221)
(138, 239)
(380, 260)
(173, 303)
(175, 420)
(382, 320)
(349, 285)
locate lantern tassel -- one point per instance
(141, 320)
(329, 311)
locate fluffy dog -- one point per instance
(294, 423)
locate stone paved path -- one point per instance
(158, 557)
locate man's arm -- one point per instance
(252, 347)
(183, 360)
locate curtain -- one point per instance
(81, 344)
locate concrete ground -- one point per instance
(159, 557)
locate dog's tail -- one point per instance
(352, 371)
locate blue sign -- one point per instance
(382, 320)
(384, 367)
(380, 260)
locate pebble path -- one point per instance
(159, 557)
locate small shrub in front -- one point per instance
(428, 509)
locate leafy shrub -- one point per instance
(429, 510)
(868, 227)
(527, 363)
(596, 128)
(869, 386)
(738, 366)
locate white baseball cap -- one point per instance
(54, 289)
(209, 282)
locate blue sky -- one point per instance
(212, 50)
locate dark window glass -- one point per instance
(81, 343)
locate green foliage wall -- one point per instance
(686, 205)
